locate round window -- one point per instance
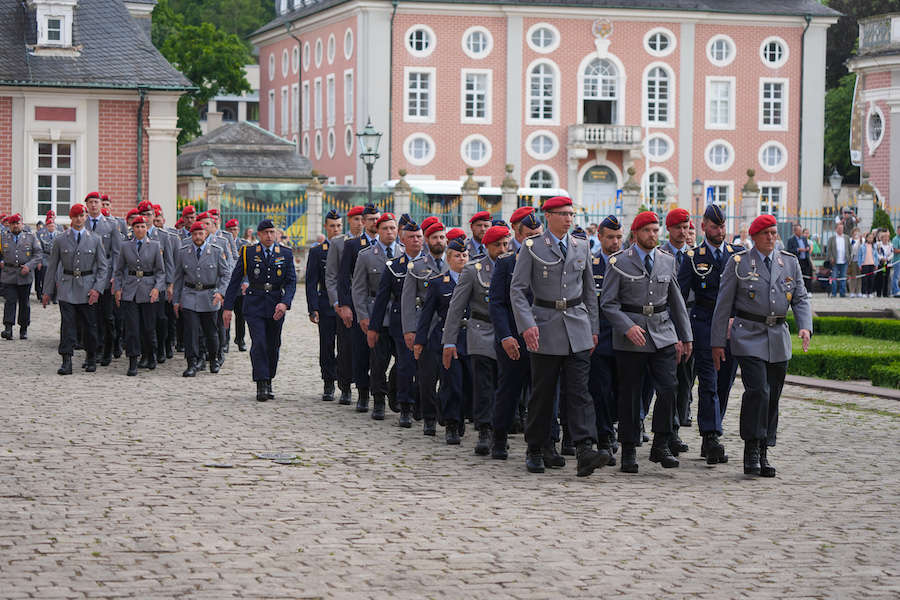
(420, 40)
(719, 155)
(348, 44)
(331, 48)
(543, 38)
(477, 42)
(720, 50)
(773, 52)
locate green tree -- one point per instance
(842, 35)
(240, 17)
(882, 220)
(838, 106)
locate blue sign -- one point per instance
(710, 195)
(618, 202)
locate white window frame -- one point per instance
(784, 156)
(348, 93)
(488, 96)
(709, 46)
(419, 161)
(285, 62)
(330, 100)
(65, 31)
(670, 101)
(306, 105)
(646, 184)
(669, 152)
(488, 150)
(305, 148)
(871, 144)
(331, 144)
(348, 179)
(783, 81)
(723, 167)
(317, 143)
(306, 56)
(54, 172)
(285, 111)
(781, 202)
(555, 96)
(270, 116)
(730, 80)
(332, 180)
(432, 41)
(488, 38)
(349, 137)
(317, 103)
(348, 43)
(295, 107)
(542, 167)
(539, 49)
(785, 52)
(660, 53)
(295, 59)
(545, 155)
(271, 71)
(318, 53)
(331, 49)
(728, 209)
(432, 87)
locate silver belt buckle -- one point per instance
(560, 304)
(267, 287)
(139, 273)
(76, 272)
(771, 320)
(198, 286)
(648, 310)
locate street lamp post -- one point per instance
(697, 188)
(209, 171)
(369, 139)
(835, 179)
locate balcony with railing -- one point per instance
(606, 137)
(879, 33)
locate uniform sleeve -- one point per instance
(686, 277)
(518, 288)
(346, 273)
(462, 293)
(102, 269)
(360, 290)
(290, 284)
(381, 299)
(52, 269)
(408, 301)
(678, 309)
(312, 280)
(170, 251)
(724, 306)
(427, 314)
(237, 276)
(800, 300)
(589, 294)
(118, 273)
(159, 271)
(115, 249)
(36, 254)
(500, 308)
(332, 266)
(222, 269)
(610, 305)
(178, 281)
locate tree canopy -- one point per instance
(842, 35)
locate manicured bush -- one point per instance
(886, 375)
(882, 329)
(841, 357)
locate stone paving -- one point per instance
(104, 493)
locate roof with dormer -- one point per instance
(109, 50)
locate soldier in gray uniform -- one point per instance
(240, 326)
(643, 304)
(370, 264)
(170, 245)
(121, 225)
(473, 292)
(20, 255)
(221, 238)
(560, 329)
(140, 282)
(76, 273)
(758, 287)
(46, 237)
(108, 230)
(421, 270)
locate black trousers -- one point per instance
(379, 361)
(220, 328)
(546, 370)
(344, 367)
(16, 297)
(140, 328)
(162, 324)
(632, 369)
(327, 335)
(684, 395)
(240, 325)
(428, 369)
(603, 384)
(512, 377)
(360, 353)
(451, 394)
(196, 323)
(106, 320)
(763, 382)
(70, 317)
(39, 281)
(172, 324)
(484, 382)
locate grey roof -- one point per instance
(243, 150)
(757, 7)
(114, 51)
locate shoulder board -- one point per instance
(217, 246)
(432, 276)
(506, 254)
(596, 261)
(363, 242)
(786, 253)
(365, 249)
(418, 258)
(741, 251)
(664, 251)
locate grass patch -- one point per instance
(846, 357)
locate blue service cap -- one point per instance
(458, 244)
(714, 213)
(370, 209)
(579, 232)
(265, 224)
(333, 215)
(611, 222)
(530, 221)
(499, 222)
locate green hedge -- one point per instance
(831, 364)
(882, 329)
(886, 375)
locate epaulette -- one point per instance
(788, 253)
(475, 261)
(365, 249)
(417, 259)
(288, 248)
(506, 254)
(214, 245)
(664, 251)
(743, 251)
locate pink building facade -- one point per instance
(570, 95)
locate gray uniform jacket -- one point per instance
(76, 269)
(138, 273)
(748, 286)
(333, 265)
(169, 245)
(628, 283)
(108, 230)
(15, 255)
(47, 239)
(370, 264)
(415, 286)
(542, 268)
(223, 238)
(197, 281)
(473, 290)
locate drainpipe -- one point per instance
(390, 128)
(299, 87)
(808, 19)
(140, 145)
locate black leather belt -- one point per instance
(141, 273)
(12, 266)
(647, 310)
(199, 286)
(558, 304)
(480, 317)
(770, 320)
(265, 287)
(707, 303)
(77, 272)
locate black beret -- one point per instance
(265, 224)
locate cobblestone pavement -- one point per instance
(105, 494)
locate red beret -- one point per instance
(157, 207)
(131, 213)
(105, 197)
(214, 212)
(139, 219)
(104, 212)
(677, 216)
(385, 217)
(92, 195)
(520, 213)
(197, 225)
(188, 210)
(455, 233)
(179, 223)
(762, 222)
(355, 211)
(50, 220)
(692, 225)
(204, 215)
(480, 216)
(51, 213)
(145, 206)
(14, 218)
(231, 223)
(645, 218)
(434, 228)
(77, 209)
(494, 234)
(557, 202)
(428, 222)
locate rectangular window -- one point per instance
(317, 94)
(721, 195)
(253, 112)
(773, 104)
(329, 96)
(770, 197)
(305, 105)
(271, 111)
(285, 111)
(419, 95)
(476, 96)
(54, 177)
(348, 96)
(720, 103)
(54, 29)
(295, 108)
(658, 96)
(541, 93)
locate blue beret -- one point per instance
(333, 215)
(265, 224)
(611, 222)
(458, 244)
(370, 209)
(714, 214)
(579, 232)
(530, 221)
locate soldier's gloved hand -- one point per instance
(154, 295)
(226, 318)
(280, 309)
(636, 335)
(93, 296)
(417, 350)
(511, 347)
(410, 339)
(314, 317)
(448, 355)
(805, 335)
(371, 338)
(718, 356)
(532, 338)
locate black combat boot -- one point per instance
(23, 333)
(328, 392)
(661, 451)
(270, 395)
(451, 433)
(7, 332)
(751, 457)
(90, 364)
(534, 459)
(191, 370)
(589, 459)
(151, 362)
(629, 459)
(676, 445)
(568, 448)
(765, 469)
(66, 367)
(430, 428)
(143, 363)
(261, 395)
(106, 357)
(406, 412)
(169, 350)
(378, 408)
(362, 402)
(604, 444)
(712, 450)
(214, 365)
(552, 458)
(132, 366)
(483, 445)
(345, 397)
(500, 446)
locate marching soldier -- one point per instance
(560, 331)
(320, 310)
(472, 293)
(415, 288)
(46, 237)
(20, 256)
(344, 315)
(170, 246)
(240, 325)
(78, 269)
(210, 220)
(479, 224)
(188, 217)
(201, 274)
(108, 231)
(139, 282)
(643, 303)
(757, 289)
(370, 264)
(121, 225)
(268, 268)
(701, 273)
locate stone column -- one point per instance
(749, 200)
(468, 204)
(162, 152)
(865, 204)
(402, 195)
(509, 198)
(315, 194)
(631, 200)
(214, 192)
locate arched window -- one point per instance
(541, 93)
(601, 92)
(656, 191)
(658, 90)
(541, 179)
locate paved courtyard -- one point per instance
(104, 493)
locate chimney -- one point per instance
(213, 120)
(142, 13)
